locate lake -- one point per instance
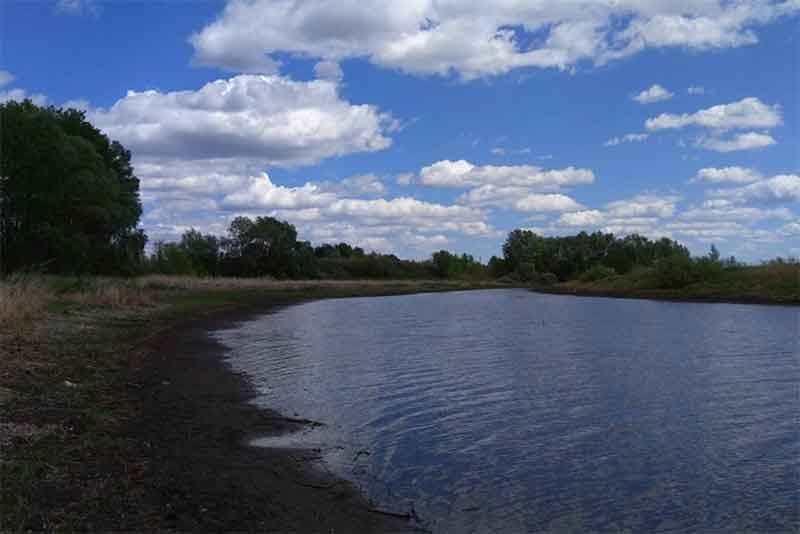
(514, 411)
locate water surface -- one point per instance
(513, 411)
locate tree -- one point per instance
(520, 247)
(264, 246)
(69, 199)
(202, 251)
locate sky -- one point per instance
(410, 127)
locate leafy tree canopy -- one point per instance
(69, 198)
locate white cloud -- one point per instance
(262, 193)
(742, 141)
(627, 138)
(328, 70)
(696, 90)
(461, 173)
(710, 212)
(644, 206)
(78, 103)
(585, 218)
(778, 189)
(473, 38)
(655, 93)
(20, 94)
(518, 198)
(405, 178)
(546, 202)
(361, 184)
(747, 113)
(790, 229)
(736, 175)
(5, 77)
(273, 119)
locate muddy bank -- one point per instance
(197, 419)
(668, 295)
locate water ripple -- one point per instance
(516, 412)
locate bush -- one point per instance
(674, 272)
(547, 279)
(598, 272)
(707, 269)
(526, 272)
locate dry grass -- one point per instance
(114, 294)
(157, 281)
(21, 298)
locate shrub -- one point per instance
(547, 279)
(707, 269)
(526, 272)
(598, 272)
(674, 272)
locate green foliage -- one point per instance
(69, 199)
(546, 279)
(568, 257)
(447, 265)
(171, 258)
(526, 271)
(498, 267)
(674, 272)
(598, 272)
(202, 252)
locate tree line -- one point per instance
(69, 204)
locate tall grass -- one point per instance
(22, 298)
(158, 281)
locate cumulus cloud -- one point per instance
(18, 94)
(585, 218)
(711, 211)
(461, 173)
(783, 188)
(628, 138)
(736, 175)
(644, 206)
(546, 202)
(262, 193)
(472, 39)
(270, 118)
(361, 184)
(742, 141)
(655, 93)
(747, 113)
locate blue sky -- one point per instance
(415, 126)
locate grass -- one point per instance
(775, 282)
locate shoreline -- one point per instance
(665, 295)
(130, 419)
(199, 416)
